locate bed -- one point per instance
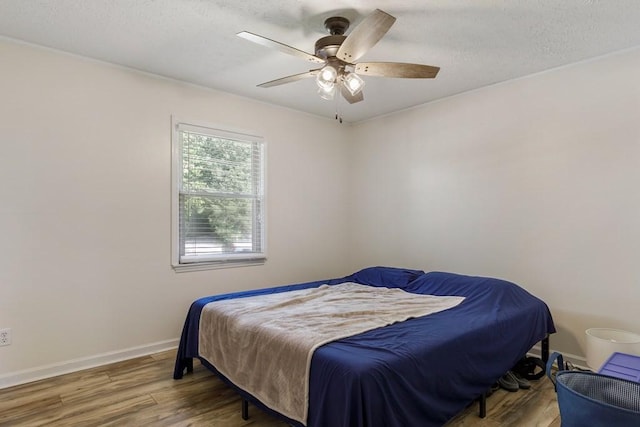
(422, 371)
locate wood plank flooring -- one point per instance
(142, 392)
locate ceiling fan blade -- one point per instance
(351, 99)
(280, 46)
(396, 69)
(365, 36)
(289, 79)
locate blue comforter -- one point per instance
(420, 372)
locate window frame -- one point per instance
(226, 260)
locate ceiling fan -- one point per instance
(336, 54)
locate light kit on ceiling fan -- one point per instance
(329, 77)
(337, 54)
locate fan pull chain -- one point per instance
(338, 115)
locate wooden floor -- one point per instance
(141, 392)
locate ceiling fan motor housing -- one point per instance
(328, 46)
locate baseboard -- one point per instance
(48, 371)
(576, 360)
(74, 365)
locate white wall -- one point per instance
(534, 180)
(85, 215)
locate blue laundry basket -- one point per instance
(590, 399)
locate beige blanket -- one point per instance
(264, 343)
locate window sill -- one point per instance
(215, 265)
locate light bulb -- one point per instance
(353, 83)
(327, 77)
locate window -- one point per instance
(218, 197)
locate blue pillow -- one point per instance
(388, 277)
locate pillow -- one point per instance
(388, 277)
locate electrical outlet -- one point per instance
(5, 336)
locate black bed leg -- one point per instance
(483, 405)
(545, 349)
(245, 409)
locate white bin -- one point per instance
(603, 342)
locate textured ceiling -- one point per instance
(475, 42)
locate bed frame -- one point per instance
(482, 400)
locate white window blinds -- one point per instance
(220, 195)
